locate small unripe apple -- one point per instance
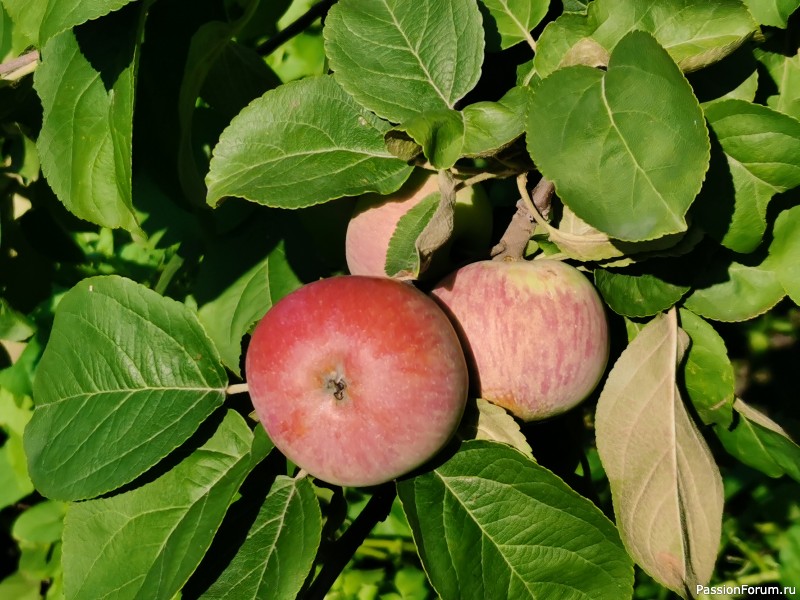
(357, 380)
(535, 333)
(375, 219)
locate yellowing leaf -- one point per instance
(666, 488)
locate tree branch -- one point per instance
(376, 510)
(296, 27)
(529, 210)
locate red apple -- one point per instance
(357, 380)
(535, 333)
(375, 219)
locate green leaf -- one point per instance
(402, 256)
(772, 12)
(665, 485)
(761, 147)
(730, 291)
(14, 326)
(301, 144)
(759, 442)
(440, 133)
(141, 381)
(512, 21)
(643, 154)
(41, 20)
(487, 421)
(277, 555)
(696, 33)
(87, 94)
(14, 481)
(490, 126)
(784, 252)
(41, 523)
(145, 543)
(640, 294)
(20, 587)
(399, 59)
(491, 523)
(707, 371)
(230, 315)
(785, 74)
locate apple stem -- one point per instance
(529, 210)
(343, 549)
(237, 388)
(300, 474)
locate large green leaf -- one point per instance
(145, 543)
(628, 164)
(87, 93)
(301, 144)
(772, 12)
(491, 523)
(665, 485)
(761, 148)
(512, 20)
(707, 371)
(400, 58)
(696, 33)
(126, 377)
(41, 20)
(275, 558)
(761, 443)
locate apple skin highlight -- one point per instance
(358, 380)
(535, 333)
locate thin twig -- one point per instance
(17, 68)
(295, 28)
(237, 388)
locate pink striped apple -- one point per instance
(535, 333)
(358, 380)
(376, 217)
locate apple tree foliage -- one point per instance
(171, 169)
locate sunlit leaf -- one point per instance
(145, 543)
(141, 381)
(301, 144)
(761, 147)
(772, 12)
(643, 154)
(491, 523)
(761, 443)
(665, 485)
(85, 145)
(512, 20)
(707, 371)
(399, 59)
(278, 552)
(696, 33)
(727, 290)
(41, 20)
(486, 421)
